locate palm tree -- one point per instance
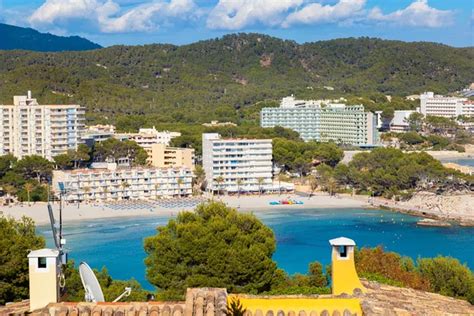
(239, 184)
(124, 186)
(157, 186)
(86, 192)
(219, 180)
(313, 185)
(332, 185)
(180, 182)
(260, 182)
(105, 190)
(28, 188)
(281, 177)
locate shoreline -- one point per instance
(87, 212)
(71, 213)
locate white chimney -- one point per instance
(29, 94)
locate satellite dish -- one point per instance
(90, 283)
(92, 286)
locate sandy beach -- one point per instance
(39, 213)
(456, 207)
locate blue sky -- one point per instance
(110, 22)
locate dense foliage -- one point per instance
(15, 37)
(214, 246)
(389, 172)
(223, 78)
(444, 275)
(17, 238)
(25, 178)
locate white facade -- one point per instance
(247, 160)
(399, 123)
(109, 184)
(322, 120)
(438, 105)
(29, 128)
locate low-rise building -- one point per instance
(146, 137)
(29, 128)
(399, 123)
(233, 165)
(163, 156)
(110, 183)
(438, 105)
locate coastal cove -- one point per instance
(302, 236)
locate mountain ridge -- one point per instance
(22, 38)
(221, 78)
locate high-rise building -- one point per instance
(163, 156)
(29, 128)
(237, 164)
(438, 105)
(323, 120)
(112, 183)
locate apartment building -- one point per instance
(438, 105)
(29, 128)
(231, 165)
(163, 156)
(324, 120)
(147, 137)
(109, 183)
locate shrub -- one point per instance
(448, 276)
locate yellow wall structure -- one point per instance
(344, 274)
(299, 304)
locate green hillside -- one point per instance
(223, 78)
(14, 37)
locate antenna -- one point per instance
(56, 238)
(93, 291)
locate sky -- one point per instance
(137, 22)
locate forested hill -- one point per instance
(221, 78)
(14, 37)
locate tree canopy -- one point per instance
(17, 238)
(214, 246)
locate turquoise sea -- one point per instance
(461, 161)
(302, 237)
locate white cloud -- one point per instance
(418, 13)
(315, 13)
(237, 14)
(108, 15)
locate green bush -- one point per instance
(448, 276)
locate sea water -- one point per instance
(302, 236)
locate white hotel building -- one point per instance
(28, 128)
(247, 160)
(323, 120)
(438, 105)
(110, 183)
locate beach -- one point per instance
(453, 208)
(72, 212)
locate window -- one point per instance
(343, 251)
(42, 262)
